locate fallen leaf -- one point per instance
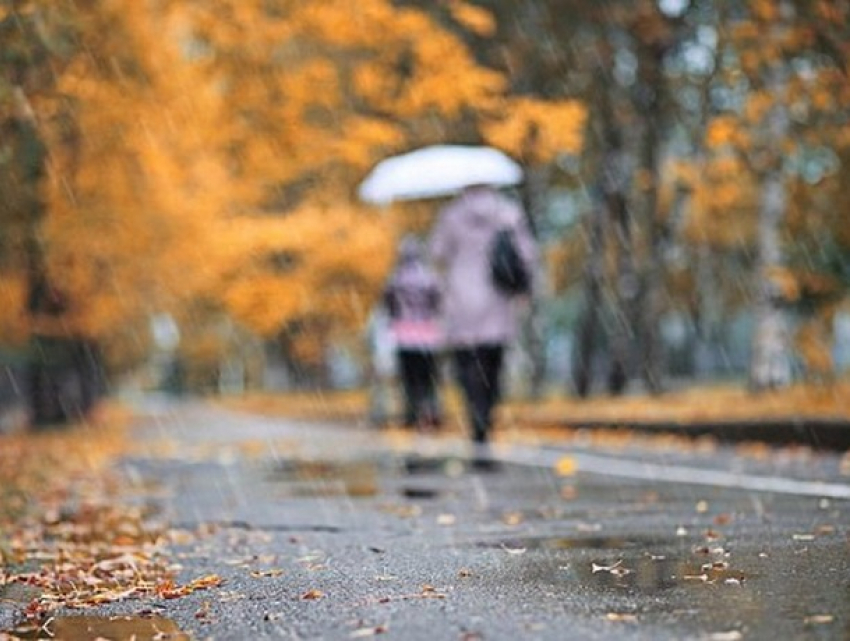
(566, 466)
(204, 611)
(312, 595)
(512, 518)
(819, 619)
(723, 519)
(730, 635)
(620, 616)
(696, 577)
(514, 550)
(369, 632)
(595, 567)
(262, 574)
(205, 582)
(446, 519)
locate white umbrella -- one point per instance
(440, 170)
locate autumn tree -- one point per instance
(784, 61)
(202, 162)
(315, 94)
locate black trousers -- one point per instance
(419, 373)
(479, 371)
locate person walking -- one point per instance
(413, 299)
(480, 318)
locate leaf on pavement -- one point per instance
(371, 631)
(511, 550)
(819, 619)
(730, 635)
(596, 567)
(620, 616)
(446, 519)
(263, 574)
(513, 518)
(803, 537)
(566, 466)
(169, 590)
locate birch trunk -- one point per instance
(770, 365)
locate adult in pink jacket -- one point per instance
(479, 319)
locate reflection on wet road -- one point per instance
(118, 628)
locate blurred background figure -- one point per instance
(413, 300)
(480, 319)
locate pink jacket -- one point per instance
(412, 297)
(474, 311)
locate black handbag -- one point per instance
(509, 272)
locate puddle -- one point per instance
(651, 573)
(321, 478)
(354, 479)
(642, 564)
(580, 543)
(121, 628)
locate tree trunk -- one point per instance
(652, 292)
(707, 314)
(625, 290)
(588, 326)
(770, 366)
(533, 196)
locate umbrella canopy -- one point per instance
(440, 170)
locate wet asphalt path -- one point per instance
(322, 532)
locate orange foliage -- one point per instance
(477, 19)
(13, 296)
(191, 116)
(764, 10)
(725, 200)
(813, 342)
(554, 127)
